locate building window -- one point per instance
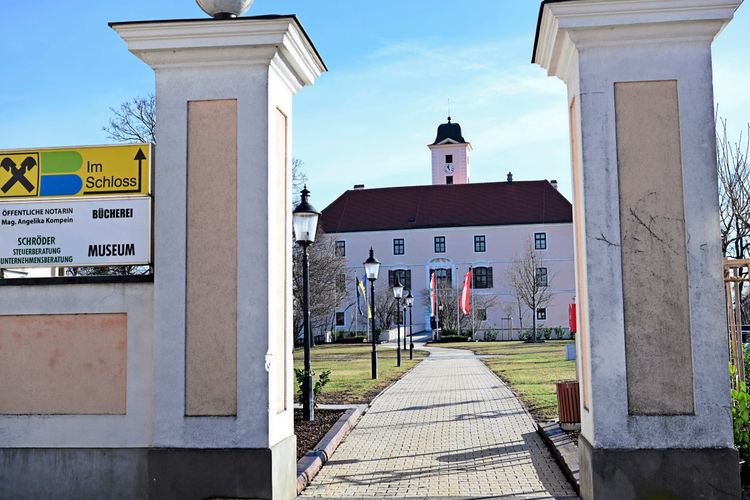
(541, 276)
(439, 244)
(540, 241)
(398, 246)
(482, 314)
(402, 275)
(541, 313)
(341, 283)
(482, 277)
(449, 179)
(448, 158)
(341, 248)
(443, 278)
(480, 243)
(340, 320)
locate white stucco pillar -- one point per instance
(224, 382)
(652, 330)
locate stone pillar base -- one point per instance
(142, 473)
(654, 473)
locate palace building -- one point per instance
(450, 226)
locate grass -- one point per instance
(531, 369)
(351, 376)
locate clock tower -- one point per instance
(450, 155)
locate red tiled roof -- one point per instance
(457, 205)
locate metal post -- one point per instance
(308, 398)
(411, 335)
(398, 330)
(374, 356)
(404, 316)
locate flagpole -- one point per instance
(356, 309)
(471, 305)
(458, 303)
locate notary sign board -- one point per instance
(76, 232)
(117, 170)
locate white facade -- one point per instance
(503, 246)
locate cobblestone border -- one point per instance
(310, 464)
(563, 449)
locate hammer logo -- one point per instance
(18, 175)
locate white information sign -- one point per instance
(76, 232)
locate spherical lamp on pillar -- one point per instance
(305, 225)
(398, 292)
(372, 269)
(409, 303)
(224, 9)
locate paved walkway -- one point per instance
(449, 428)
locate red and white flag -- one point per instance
(466, 294)
(433, 295)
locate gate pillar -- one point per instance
(223, 384)
(652, 338)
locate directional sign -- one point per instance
(76, 232)
(83, 171)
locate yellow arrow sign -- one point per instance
(73, 172)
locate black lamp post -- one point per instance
(372, 268)
(305, 224)
(398, 292)
(410, 302)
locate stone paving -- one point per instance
(449, 429)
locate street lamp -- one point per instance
(305, 224)
(410, 302)
(372, 268)
(398, 292)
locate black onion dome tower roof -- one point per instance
(450, 131)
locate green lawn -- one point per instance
(351, 377)
(531, 369)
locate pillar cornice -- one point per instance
(211, 42)
(568, 25)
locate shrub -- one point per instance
(323, 379)
(490, 335)
(526, 335)
(559, 332)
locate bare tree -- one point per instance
(325, 293)
(734, 197)
(133, 121)
(734, 192)
(530, 283)
(299, 180)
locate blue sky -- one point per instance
(393, 65)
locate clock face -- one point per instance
(449, 168)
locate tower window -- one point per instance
(448, 158)
(449, 179)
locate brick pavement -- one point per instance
(449, 429)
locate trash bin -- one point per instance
(568, 405)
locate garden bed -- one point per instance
(309, 434)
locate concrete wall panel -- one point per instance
(63, 364)
(654, 253)
(211, 337)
